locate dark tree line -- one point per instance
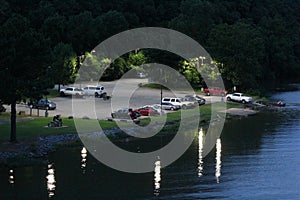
(43, 42)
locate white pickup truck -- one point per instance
(239, 97)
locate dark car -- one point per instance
(200, 100)
(42, 104)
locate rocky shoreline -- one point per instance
(41, 146)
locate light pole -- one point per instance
(47, 73)
(160, 92)
(197, 63)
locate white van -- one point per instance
(94, 90)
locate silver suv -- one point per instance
(94, 90)
(179, 102)
(71, 91)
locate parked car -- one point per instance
(169, 106)
(147, 111)
(141, 75)
(198, 99)
(179, 102)
(215, 91)
(94, 90)
(125, 113)
(239, 97)
(156, 107)
(71, 91)
(42, 104)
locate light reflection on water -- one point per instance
(11, 177)
(200, 150)
(218, 159)
(157, 178)
(83, 159)
(51, 183)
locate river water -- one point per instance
(255, 158)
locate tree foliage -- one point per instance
(240, 47)
(256, 42)
(64, 64)
(23, 64)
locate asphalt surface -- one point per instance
(124, 94)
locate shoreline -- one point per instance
(39, 148)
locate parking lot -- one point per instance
(125, 92)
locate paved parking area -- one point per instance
(127, 92)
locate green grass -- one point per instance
(154, 86)
(6, 116)
(31, 129)
(35, 128)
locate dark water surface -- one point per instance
(255, 158)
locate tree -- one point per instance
(64, 64)
(281, 37)
(197, 73)
(113, 22)
(196, 19)
(189, 70)
(241, 48)
(54, 28)
(135, 60)
(4, 11)
(97, 67)
(24, 61)
(93, 67)
(80, 32)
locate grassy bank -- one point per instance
(31, 129)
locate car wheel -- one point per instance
(208, 94)
(172, 108)
(228, 99)
(243, 101)
(103, 95)
(96, 94)
(183, 106)
(223, 94)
